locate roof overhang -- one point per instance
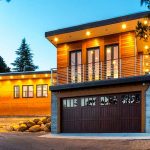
(99, 28)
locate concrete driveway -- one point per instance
(30, 141)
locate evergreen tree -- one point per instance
(24, 60)
(3, 66)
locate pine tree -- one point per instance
(24, 60)
(3, 66)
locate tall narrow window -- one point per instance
(76, 68)
(93, 64)
(111, 58)
(16, 91)
(27, 91)
(42, 90)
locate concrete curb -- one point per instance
(100, 136)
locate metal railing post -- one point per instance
(101, 69)
(51, 80)
(120, 69)
(67, 75)
(141, 64)
(83, 72)
(135, 65)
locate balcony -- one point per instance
(103, 70)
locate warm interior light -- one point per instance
(91, 52)
(145, 22)
(108, 51)
(124, 26)
(34, 76)
(56, 39)
(11, 77)
(0, 78)
(22, 76)
(114, 62)
(146, 47)
(88, 33)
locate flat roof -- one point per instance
(24, 73)
(98, 23)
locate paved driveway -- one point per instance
(28, 141)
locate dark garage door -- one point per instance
(104, 113)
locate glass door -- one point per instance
(75, 63)
(111, 59)
(93, 59)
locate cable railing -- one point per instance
(103, 70)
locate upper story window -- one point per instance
(16, 91)
(42, 90)
(93, 59)
(112, 62)
(27, 91)
(75, 64)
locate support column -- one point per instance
(147, 127)
(54, 117)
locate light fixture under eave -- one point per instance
(11, 77)
(88, 33)
(124, 26)
(56, 39)
(0, 78)
(22, 76)
(46, 75)
(34, 76)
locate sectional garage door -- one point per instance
(102, 114)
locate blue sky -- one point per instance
(32, 18)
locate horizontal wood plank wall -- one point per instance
(128, 52)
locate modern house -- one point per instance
(25, 94)
(103, 81)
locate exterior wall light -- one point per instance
(11, 77)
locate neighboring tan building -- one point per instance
(25, 94)
(103, 81)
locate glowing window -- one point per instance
(16, 91)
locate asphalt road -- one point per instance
(28, 141)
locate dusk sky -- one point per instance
(32, 18)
